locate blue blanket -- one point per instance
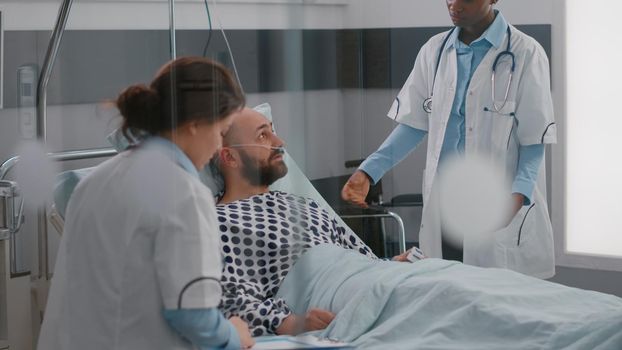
(438, 304)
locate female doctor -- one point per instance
(482, 88)
(139, 264)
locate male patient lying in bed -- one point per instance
(346, 293)
(264, 232)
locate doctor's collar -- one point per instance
(494, 34)
(173, 152)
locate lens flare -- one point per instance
(475, 198)
(35, 173)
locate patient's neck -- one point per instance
(237, 188)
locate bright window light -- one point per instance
(594, 128)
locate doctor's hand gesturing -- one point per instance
(246, 340)
(356, 189)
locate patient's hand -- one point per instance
(246, 340)
(317, 319)
(356, 189)
(313, 320)
(404, 256)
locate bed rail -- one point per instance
(387, 214)
(17, 217)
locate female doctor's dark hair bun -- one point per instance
(137, 104)
(186, 89)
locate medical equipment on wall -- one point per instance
(11, 217)
(26, 85)
(427, 103)
(11, 213)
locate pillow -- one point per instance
(66, 182)
(295, 182)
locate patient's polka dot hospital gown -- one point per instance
(262, 237)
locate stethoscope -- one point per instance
(427, 103)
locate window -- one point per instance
(593, 124)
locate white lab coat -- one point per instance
(138, 230)
(496, 136)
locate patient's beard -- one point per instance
(262, 173)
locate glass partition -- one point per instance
(331, 72)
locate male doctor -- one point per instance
(480, 89)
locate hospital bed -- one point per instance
(436, 304)
(432, 303)
(295, 182)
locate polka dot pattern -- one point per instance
(261, 239)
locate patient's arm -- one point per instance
(417, 254)
(263, 315)
(313, 320)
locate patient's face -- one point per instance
(260, 165)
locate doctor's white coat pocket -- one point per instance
(491, 249)
(512, 235)
(522, 247)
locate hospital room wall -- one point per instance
(362, 109)
(75, 119)
(322, 114)
(433, 13)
